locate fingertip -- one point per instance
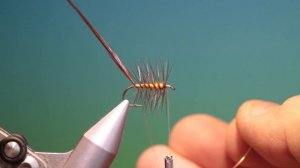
(186, 124)
(148, 156)
(237, 148)
(254, 108)
(254, 121)
(189, 129)
(290, 114)
(292, 102)
(201, 138)
(250, 112)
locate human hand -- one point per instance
(272, 131)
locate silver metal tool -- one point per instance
(96, 149)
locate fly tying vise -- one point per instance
(151, 85)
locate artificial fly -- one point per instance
(151, 86)
(150, 82)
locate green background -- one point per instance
(57, 81)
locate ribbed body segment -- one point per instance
(154, 86)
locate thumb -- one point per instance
(270, 130)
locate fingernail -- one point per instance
(259, 108)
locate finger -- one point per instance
(237, 148)
(266, 127)
(201, 138)
(154, 156)
(290, 114)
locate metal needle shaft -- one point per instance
(168, 162)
